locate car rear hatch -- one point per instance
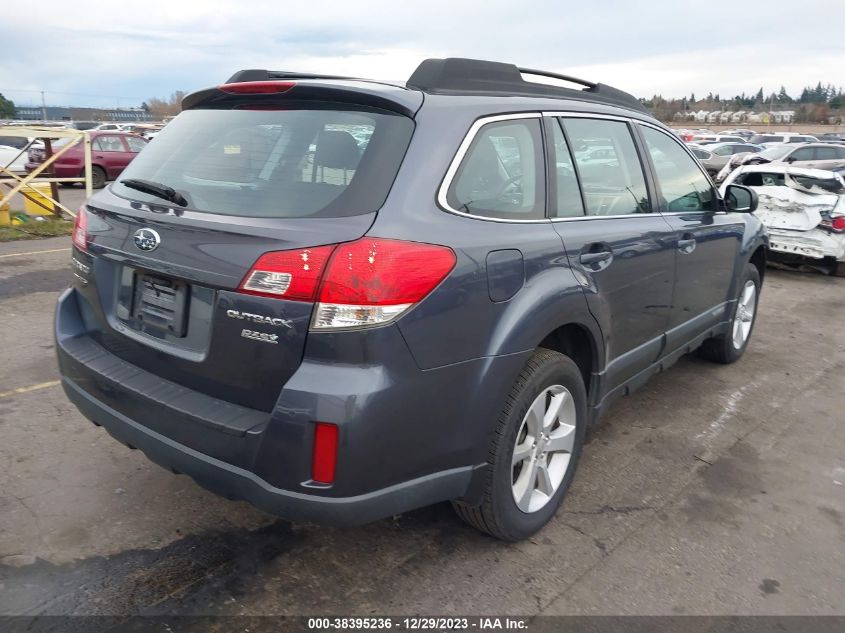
(799, 201)
(180, 287)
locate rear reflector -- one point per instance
(293, 275)
(257, 87)
(80, 229)
(324, 460)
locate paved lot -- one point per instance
(712, 490)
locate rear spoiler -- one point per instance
(291, 88)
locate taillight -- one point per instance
(257, 87)
(837, 224)
(293, 275)
(324, 459)
(79, 236)
(367, 282)
(372, 281)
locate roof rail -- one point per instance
(457, 75)
(258, 74)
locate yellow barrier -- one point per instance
(38, 192)
(16, 182)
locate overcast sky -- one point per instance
(107, 54)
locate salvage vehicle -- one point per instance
(803, 210)
(111, 152)
(341, 299)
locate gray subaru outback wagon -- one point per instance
(342, 299)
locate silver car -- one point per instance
(714, 157)
(809, 155)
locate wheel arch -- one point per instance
(578, 342)
(758, 259)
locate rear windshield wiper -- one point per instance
(156, 189)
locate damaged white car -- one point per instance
(803, 210)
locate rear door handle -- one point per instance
(686, 245)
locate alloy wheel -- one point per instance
(543, 448)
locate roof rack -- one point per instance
(457, 75)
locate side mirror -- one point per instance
(740, 199)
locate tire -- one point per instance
(725, 348)
(839, 270)
(544, 376)
(98, 177)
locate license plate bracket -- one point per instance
(160, 304)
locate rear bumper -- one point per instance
(813, 244)
(400, 448)
(233, 482)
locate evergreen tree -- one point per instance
(7, 108)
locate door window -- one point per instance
(502, 174)
(805, 153)
(724, 150)
(569, 202)
(826, 153)
(610, 170)
(682, 184)
(109, 144)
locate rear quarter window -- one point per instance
(502, 174)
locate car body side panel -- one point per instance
(459, 321)
(631, 297)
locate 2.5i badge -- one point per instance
(264, 337)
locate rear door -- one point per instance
(802, 156)
(615, 239)
(111, 152)
(705, 239)
(171, 294)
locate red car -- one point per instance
(111, 152)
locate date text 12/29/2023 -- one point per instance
(418, 623)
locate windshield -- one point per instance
(277, 164)
(774, 153)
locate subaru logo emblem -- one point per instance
(147, 239)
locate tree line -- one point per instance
(815, 104)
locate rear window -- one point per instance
(277, 164)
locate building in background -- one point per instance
(60, 113)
